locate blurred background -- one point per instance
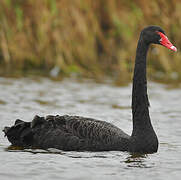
(94, 39)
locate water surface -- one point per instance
(24, 98)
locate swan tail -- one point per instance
(20, 134)
(43, 132)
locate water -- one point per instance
(23, 98)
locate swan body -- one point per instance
(77, 133)
(68, 133)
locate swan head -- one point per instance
(155, 35)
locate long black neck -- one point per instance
(140, 103)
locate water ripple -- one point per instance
(23, 98)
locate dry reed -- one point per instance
(86, 38)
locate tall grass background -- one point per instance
(86, 38)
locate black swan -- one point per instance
(77, 133)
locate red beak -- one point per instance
(165, 42)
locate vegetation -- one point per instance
(86, 38)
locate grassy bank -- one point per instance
(86, 38)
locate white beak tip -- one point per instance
(173, 48)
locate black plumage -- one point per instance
(79, 133)
(67, 133)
